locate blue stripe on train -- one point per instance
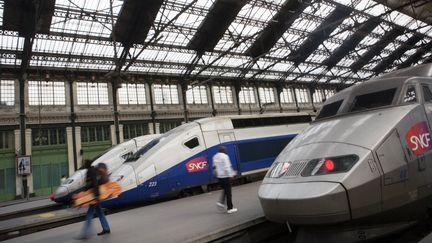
(178, 178)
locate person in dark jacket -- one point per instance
(94, 178)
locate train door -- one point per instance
(395, 172)
(147, 182)
(211, 140)
(227, 138)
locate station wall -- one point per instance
(143, 108)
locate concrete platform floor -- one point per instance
(183, 220)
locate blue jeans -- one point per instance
(90, 212)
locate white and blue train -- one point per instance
(113, 158)
(181, 158)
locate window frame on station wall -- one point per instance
(287, 96)
(247, 95)
(132, 94)
(196, 95)
(48, 136)
(222, 94)
(132, 130)
(84, 97)
(266, 95)
(104, 135)
(46, 93)
(7, 92)
(166, 94)
(302, 95)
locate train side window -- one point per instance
(427, 94)
(410, 95)
(192, 143)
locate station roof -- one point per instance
(307, 41)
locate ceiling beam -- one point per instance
(416, 56)
(319, 35)
(376, 48)
(350, 44)
(221, 14)
(396, 54)
(276, 27)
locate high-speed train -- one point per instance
(365, 160)
(181, 158)
(113, 158)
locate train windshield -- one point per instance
(330, 109)
(143, 150)
(373, 100)
(154, 142)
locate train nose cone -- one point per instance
(61, 192)
(306, 203)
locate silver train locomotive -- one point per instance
(365, 161)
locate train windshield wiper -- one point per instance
(143, 150)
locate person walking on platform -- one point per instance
(94, 178)
(224, 171)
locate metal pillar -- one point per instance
(72, 119)
(237, 89)
(153, 113)
(115, 85)
(183, 85)
(214, 111)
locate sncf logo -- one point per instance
(418, 138)
(197, 164)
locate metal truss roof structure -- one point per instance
(310, 41)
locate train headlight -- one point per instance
(330, 165)
(278, 169)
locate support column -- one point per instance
(214, 111)
(295, 99)
(183, 87)
(78, 147)
(259, 100)
(151, 128)
(279, 89)
(18, 180)
(115, 84)
(157, 127)
(73, 116)
(113, 134)
(19, 185)
(121, 133)
(153, 113)
(311, 92)
(237, 89)
(28, 135)
(70, 148)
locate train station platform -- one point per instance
(13, 208)
(191, 219)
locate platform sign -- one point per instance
(23, 165)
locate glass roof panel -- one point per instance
(90, 21)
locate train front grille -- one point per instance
(296, 168)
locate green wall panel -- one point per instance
(7, 175)
(91, 150)
(49, 163)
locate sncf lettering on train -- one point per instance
(418, 138)
(197, 164)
